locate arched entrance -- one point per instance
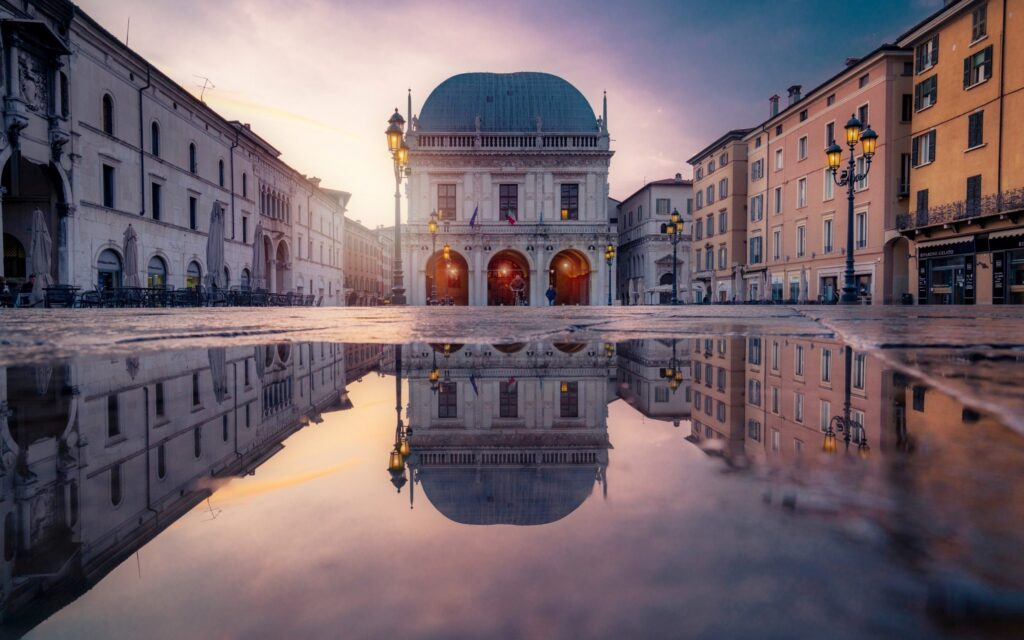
(451, 276)
(109, 270)
(897, 260)
(569, 273)
(508, 276)
(193, 275)
(29, 186)
(283, 267)
(156, 272)
(665, 297)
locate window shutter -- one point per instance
(931, 147)
(935, 50)
(967, 72)
(988, 61)
(915, 146)
(917, 97)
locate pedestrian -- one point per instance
(550, 295)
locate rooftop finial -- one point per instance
(409, 111)
(604, 114)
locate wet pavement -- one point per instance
(761, 472)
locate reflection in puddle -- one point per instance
(101, 457)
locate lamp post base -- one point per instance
(397, 296)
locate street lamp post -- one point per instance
(856, 131)
(432, 228)
(400, 155)
(845, 424)
(673, 373)
(609, 258)
(674, 230)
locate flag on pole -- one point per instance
(472, 381)
(472, 221)
(511, 381)
(511, 216)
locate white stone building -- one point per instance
(99, 455)
(645, 252)
(516, 167)
(98, 139)
(643, 381)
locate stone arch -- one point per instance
(154, 278)
(29, 186)
(451, 278)
(282, 257)
(665, 297)
(569, 273)
(507, 271)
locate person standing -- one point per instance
(550, 295)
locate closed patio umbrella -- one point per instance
(219, 372)
(804, 287)
(130, 247)
(258, 274)
(737, 284)
(215, 249)
(766, 289)
(41, 246)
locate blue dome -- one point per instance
(506, 103)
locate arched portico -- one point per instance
(451, 277)
(508, 276)
(569, 273)
(29, 186)
(282, 259)
(896, 280)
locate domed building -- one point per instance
(515, 165)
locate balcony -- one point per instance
(956, 214)
(510, 142)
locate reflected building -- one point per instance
(720, 391)
(510, 433)
(99, 456)
(645, 382)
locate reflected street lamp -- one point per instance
(609, 258)
(674, 230)
(845, 424)
(673, 373)
(400, 155)
(856, 131)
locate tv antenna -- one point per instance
(207, 84)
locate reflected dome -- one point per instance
(522, 496)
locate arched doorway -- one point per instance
(109, 270)
(244, 280)
(897, 260)
(156, 272)
(569, 273)
(29, 186)
(193, 275)
(451, 276)
(665, 297)
(15, 267)
(283, 267)
(508, 277)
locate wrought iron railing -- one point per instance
(964, 210)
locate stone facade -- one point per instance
(367, 269)
(645, 253)
(97, 139)
(516, 166)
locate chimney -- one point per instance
(679, 177)
(315, 181)
(851, 61)
(794, 94)
(774, 102)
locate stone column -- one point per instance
(478, 281)
(272, 276)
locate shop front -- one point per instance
(1007, 266)
(946, 271)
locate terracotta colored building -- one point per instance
(967, 181)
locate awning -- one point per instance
(945, 241)
(1009, 233)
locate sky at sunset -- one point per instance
(319, 78)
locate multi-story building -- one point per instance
(719, 235)
(718, 388)
(109, 452)
(644, 260)
(97, 140)
(967, 181)
(646, 370)
(516, 168)
(521, 440)
(365, 265)
(798, 216)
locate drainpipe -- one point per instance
(231, 165)
(142, 146)
(1002, 103)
